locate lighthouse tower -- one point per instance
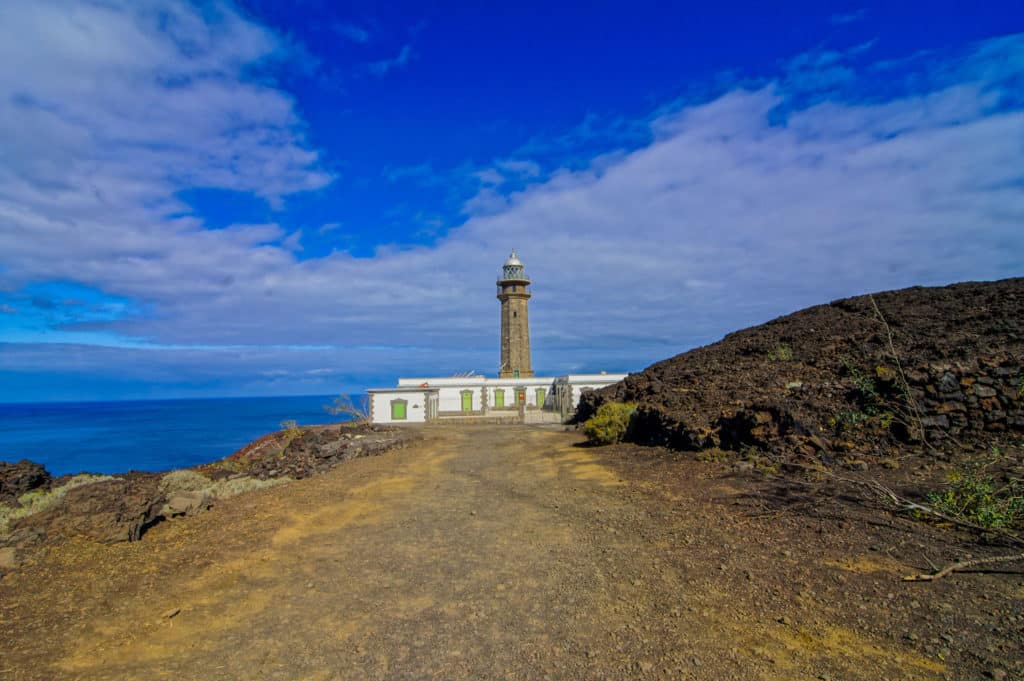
(515, 324)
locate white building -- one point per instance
(535, 399)
(516, 395)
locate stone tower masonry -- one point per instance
(515, 324)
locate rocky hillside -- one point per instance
(930, 370)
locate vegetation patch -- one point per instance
(184, 480)
(975, 496)
(610, 424)
(224, 489)
(187, 480)
(38, 501)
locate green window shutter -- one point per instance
(398, 410)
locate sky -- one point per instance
(314, 197)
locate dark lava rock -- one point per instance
(314, 449)
(958, 350)
(109, 511)
(21, 477)
(122, 509)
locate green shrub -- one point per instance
(976, 497)
(610, 423)
(847, 420)
(781, 353)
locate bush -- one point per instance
(225, 489)
(610, 423)
(977, 498)
(186, 480)
(183, 480)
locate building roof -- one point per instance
(403, 389)
(513, 260)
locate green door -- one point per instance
(499, 399)
(467, 401)
(398, 410)
(541, 395)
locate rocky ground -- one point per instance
(513, 553)
(895, 399)
(36, 508)
(901, 410)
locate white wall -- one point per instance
(445, 382)
(450, 397)
(510, 393)
(449, 390)
(415, 408)
(578, 382)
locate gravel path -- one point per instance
(482, 553)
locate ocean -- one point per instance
(147, 435)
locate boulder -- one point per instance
(21, 477)
(109, 511)
(186, 503)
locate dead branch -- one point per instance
(962, 565)
(905, 504)
(357, 409)
(911, 402)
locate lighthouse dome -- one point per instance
(513, 269)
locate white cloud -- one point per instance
(400, 60)
(115, 107)
(422, 172)
(733, 213)
(849, 17)
(353, 32)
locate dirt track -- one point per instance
(482, 553)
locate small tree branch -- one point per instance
(358, 409)
(908, 505)
(963, 565)
(911, 402)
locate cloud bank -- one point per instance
(752, 204)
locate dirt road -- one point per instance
(482, 553)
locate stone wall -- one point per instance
(985, 394)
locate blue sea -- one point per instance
(148, 435)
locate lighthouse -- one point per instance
(513, 292)
(515, 396)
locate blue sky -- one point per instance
(264, 198)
